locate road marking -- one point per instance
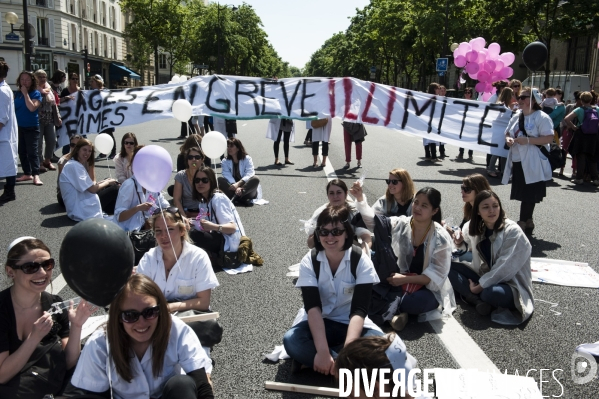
(57, 285)
(458, 343)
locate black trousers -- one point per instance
(250, 188)
(275, 146)
(325, 148)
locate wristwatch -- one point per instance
(220, 228)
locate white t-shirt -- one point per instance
(80, 203)
(536, 124)
(191, 274)
(130, 194)
(184, 354)
(336, 292)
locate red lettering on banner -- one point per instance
(365, 117)
(347, 88)
(332, 97)
(390, 105)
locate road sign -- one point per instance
(372, 69)
(441, 73)
(200, 66)
(442, 64)
(12, 36)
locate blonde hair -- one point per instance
(407, 190)
(173, 219)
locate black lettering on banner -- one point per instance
(288, 104)
(305, 96)
(250, 94)
(179, 93)
(91, 98)
(107, 101)
(224, 101)
(466, 106)
(80, 104)
(419, 111)
(145, 109)
(263, 84)
(65, 112)
(118, 112)
(129, 93)
(81, 124)
(93, 117)
(104, 118)
(442, 115)
(192, 95)
(71, 127)
(490, 107)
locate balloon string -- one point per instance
(169, 236)
(109, 174)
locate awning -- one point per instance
(118, 71)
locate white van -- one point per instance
(566, 81)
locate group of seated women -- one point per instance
(348, 294)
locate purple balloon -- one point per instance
(480, 87)
(483, 76)
(490, 66)
(473, 76)
(472, 67)
(152, 167)
(506, 72)
(488, 87)
(507, 58)
(472, 56)
(460, 61)
(498, 65)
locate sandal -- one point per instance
(315, 165)
(278, 163)
(288, 162)
(25, 178)
(493, 174)
(322, 165)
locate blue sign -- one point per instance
(441, 73)
(12, 36)
(372, 69)
(442, 64)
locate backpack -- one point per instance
(590, 123)
(356, 254)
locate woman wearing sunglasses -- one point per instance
(397, 201)
(499, 275)
(124, 159)
(134, 203)
(183, 190)
(29, 336)
(221, 229)
(336, 301)
(142, 351)
(60, 165)
(526, 165)
(423, 250)
(239, 181)
(80, 192)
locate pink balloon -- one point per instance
(483, 76)
(490, 66)
(480, 87)
(494, 90)
(471, 67)
(472, 56)
(460, 61)
(508, 58)
(498, 65)
(494, 50)
(495, 76)
(478, 43)
(482, 56)
(488, 87)
(463, 48)
(473, 76)
(506, 72)
(487, 96)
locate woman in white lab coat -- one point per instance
(9, 137)
(320, 133)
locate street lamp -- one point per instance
(219, 64)
(12, 19)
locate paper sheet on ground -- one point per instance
(92, 325)
(278, 354)
(261, 201)
(244, 268)
(294, 270)
(563, 272)
(473, 384)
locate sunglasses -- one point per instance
(522, 98)
(173, 210)
(131, 316)
(33, 267)
(467, 190)
(392, 181)
(194, 157)
(129, 143)
(74, 79)
(199, 180)
(335, 232)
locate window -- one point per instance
(103, 13)
(72, 7)
(95, 19)
(41, 3)
(42, 32)
(114, 48)
(579, 54)
(162, 61)
(105, 46)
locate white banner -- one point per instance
(468, 124)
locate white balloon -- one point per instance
(183, 78)
(104, 143)
(214, 144)
(182, 110)
(175, 79)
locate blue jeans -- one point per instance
(28, 142)
(299, 343)
(498, 295)
(418, 302)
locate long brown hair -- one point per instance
(213, 184)
(118, 339)
(74, 154)
(194, 140)
(23, 248)
(506, 97)
(407, 191)
(476, 222)
(237, 143)
(478, 183)
(128, 135)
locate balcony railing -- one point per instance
(41, 3)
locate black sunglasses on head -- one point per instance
(173, 210)
(335, 232)
(392, 181)
(131, 316)
(467, 190)
(33, 267)
(199, 180)
(194, 157)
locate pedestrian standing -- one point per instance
(353, 132)
(430, 146)
(277, 129)
(321, 131)
(48, 114)
(27, 102)
(8, 137)
(467, 96)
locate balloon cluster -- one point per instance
(486, 65)
(178, 79)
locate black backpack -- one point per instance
(356, 254)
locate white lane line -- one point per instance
(458, 343)
(57, 285)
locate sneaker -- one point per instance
(398, 323)
(359, 164)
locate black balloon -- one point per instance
(96, 259)
(534, 55)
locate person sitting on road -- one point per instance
(144, 352)
(336, 300)
(220, 228)
(134, 204)
(239, 181)
(337, 194)
(423, 250)
(499, 275)
(397, 201)
(123, 161)
(78, 187)
(27, 330)
(60, 165)
(183, 190)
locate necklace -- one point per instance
(421, 239)
(14, 300)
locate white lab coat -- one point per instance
(130, 194)
(246, 169)
(80, 203)
(272, 132)
(321, 133)
(9, 134)
(222, 211)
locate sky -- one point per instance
(296, 29)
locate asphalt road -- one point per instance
(257, 308)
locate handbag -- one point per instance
(46, 112)
(142, 240)
(319, 123)
(554, 154)
(56, 116)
